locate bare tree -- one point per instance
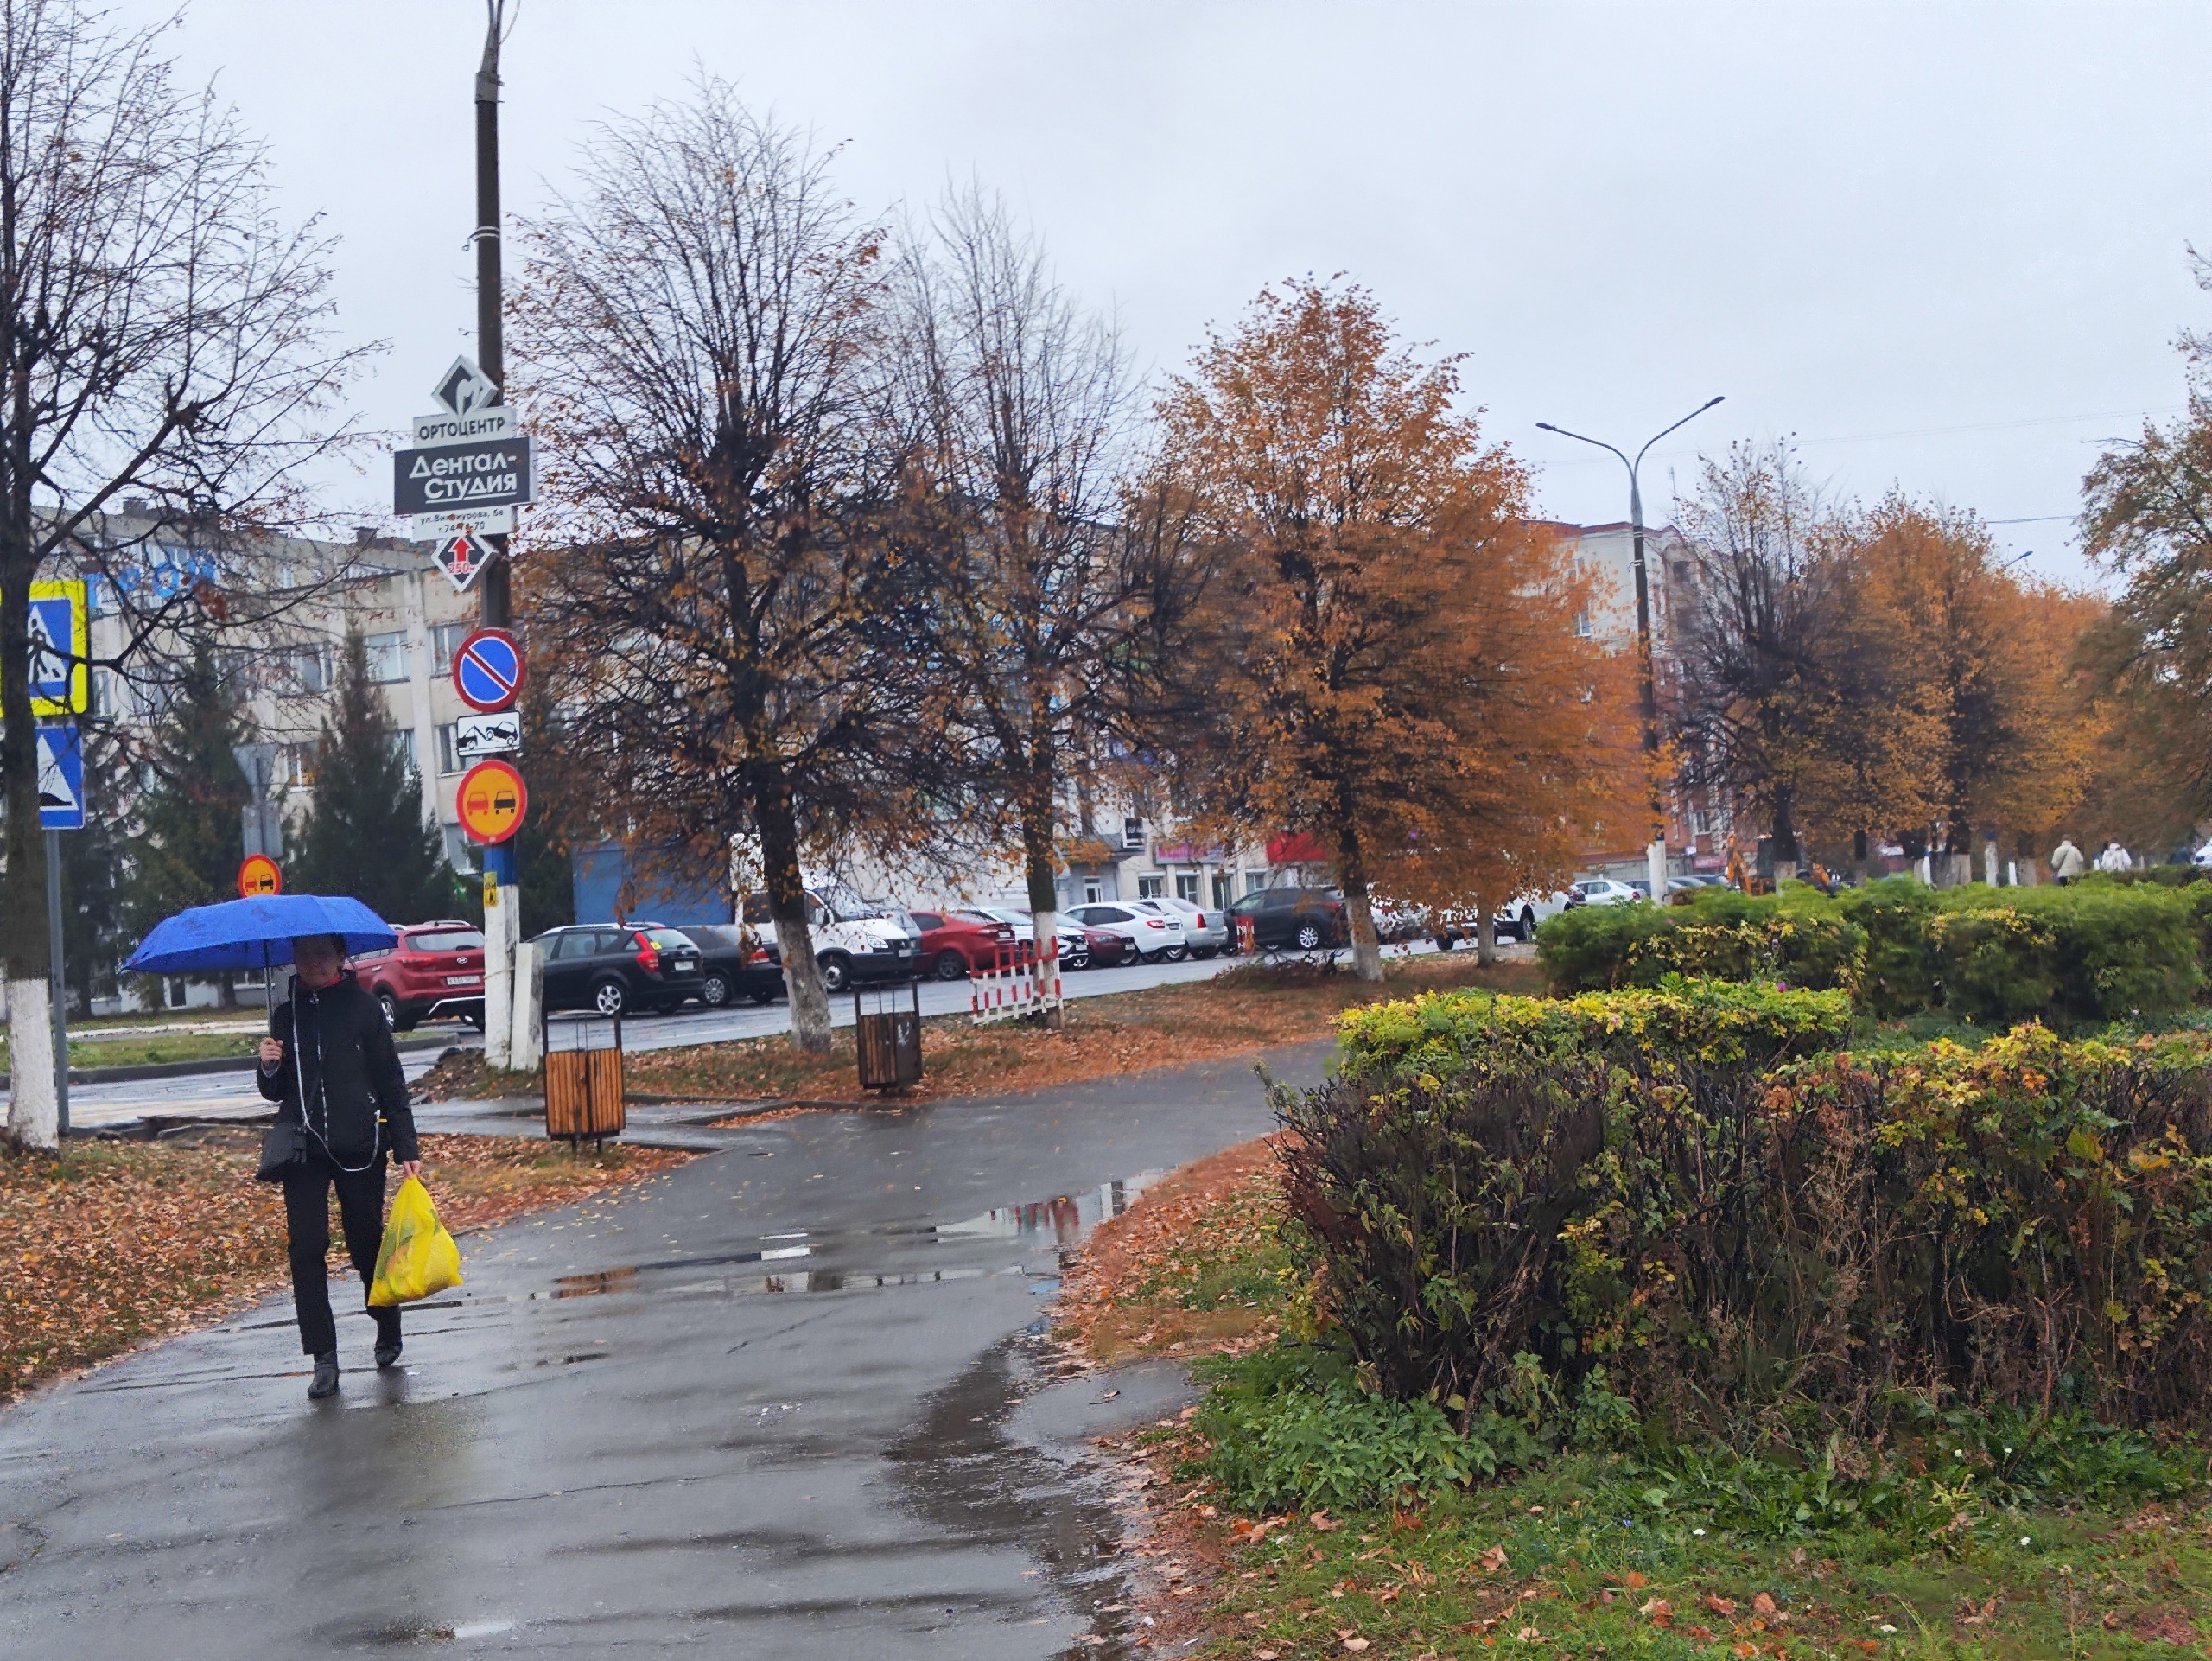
(1042, 572)
(162, 333)
(696, 346)
(1782, 698)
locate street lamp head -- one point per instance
(1545, 427)
(1709, 403)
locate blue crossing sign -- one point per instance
(61, 779)
(59, 630)
(487, 671)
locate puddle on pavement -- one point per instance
(1062, 1221)
(962, 1471)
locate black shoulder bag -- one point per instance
(284, 1146)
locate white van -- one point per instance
(853, 941)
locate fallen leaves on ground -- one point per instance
(113, 1243)
(1195, 1265)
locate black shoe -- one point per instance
(388, 1354)
(325, 1382)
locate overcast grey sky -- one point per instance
(1943, 244)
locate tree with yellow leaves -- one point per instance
(1389, 644)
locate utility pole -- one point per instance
(502, 894)
(1655, 853)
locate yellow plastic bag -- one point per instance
(418, 1257)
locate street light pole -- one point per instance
(1655, 852)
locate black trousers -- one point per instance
(306, 1220)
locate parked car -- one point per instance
(617, 967)
(1296, 919)
(853, 940)
(956, 944)
(1603, 891)
(1520, 916)
(434, 972)
(734, 963)
(1153, 906)
(1204, 932)
(1154, 936)
(1080, 947)
(1398, 924)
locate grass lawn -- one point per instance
(1247, 1008)
(115, 1243)
(1592, 1555)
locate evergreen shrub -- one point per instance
(1713, 1240)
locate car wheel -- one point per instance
(475, 1018)
(837, 973)
(768, 996)
(1075, 960)
(1177, 953)
(1152, 956)
(610, 997)
(395, 1018)
(714, 991)
(1202, 952)
(1309, 937)
(1527, 930)
(949, 966)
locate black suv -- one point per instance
(1295, 919)
(614, 968)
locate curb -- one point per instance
(195, 1069)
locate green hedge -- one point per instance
(2030, 1222)
(2098, 950)
(1709, 1024)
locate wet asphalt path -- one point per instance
(764, 1408)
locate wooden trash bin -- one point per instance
(583, 1078)
(889, 1039)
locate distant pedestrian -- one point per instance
(2115, 857)
(330, 1065)
(2066, 861)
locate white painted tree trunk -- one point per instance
(33, 1115)
(1366, 950)
(811, 1025)
(524, 1050)
(1044, 932)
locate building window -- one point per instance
(1151, 888)
(304, 669)
(1254, 881)
(295, 767)
(387, 656)
(1221, 891)
(445, 640)
(1582, 625)
(1092, 893)
(448, 750)
(1186, 887)
(1132, 833)
(460, 851)
(401, 739)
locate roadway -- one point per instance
(232, 1095)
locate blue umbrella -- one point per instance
(256, 932)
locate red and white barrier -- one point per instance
(1014, 987)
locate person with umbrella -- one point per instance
(330, 1065)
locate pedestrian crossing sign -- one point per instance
(59, 644)
(61, 779)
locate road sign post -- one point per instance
(61, 993)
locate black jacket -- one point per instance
(350, 1066)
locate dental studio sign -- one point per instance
(486, 472)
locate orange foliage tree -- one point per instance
(1389, 645)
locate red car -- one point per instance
(435, 972)
(955, 944)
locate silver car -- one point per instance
(1204, 932)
